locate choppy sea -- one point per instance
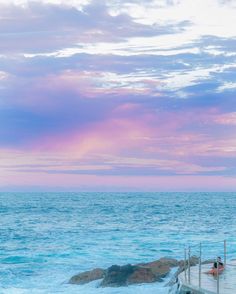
(45, 238)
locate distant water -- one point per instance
(45, 238)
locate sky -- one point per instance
(118, 95)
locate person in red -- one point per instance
(214, 270)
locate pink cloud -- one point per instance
(226, 119)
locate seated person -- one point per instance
(218, 261)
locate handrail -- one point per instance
(187, 263)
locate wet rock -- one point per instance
(86, 277)
(117, 276)
(150, 272)
(159, 268)
(142, 275)
(169, 262)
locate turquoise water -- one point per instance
(45, 238)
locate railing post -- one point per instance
(218, 278)
(225, 252)
(189, 253)
(185, 264)
(200, 266)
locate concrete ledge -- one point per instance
(185, 288)
(190, 289)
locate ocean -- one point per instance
(45, 238)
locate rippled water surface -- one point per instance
(47, 237)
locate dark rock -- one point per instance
(136, 274)
(169, 261)
(159, 269)
(117, 276)
(142, 275)
(87, 277)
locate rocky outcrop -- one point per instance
(117, 276)
(142, 275)
(86, 277)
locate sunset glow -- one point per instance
(118, 95)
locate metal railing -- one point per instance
(187, 265)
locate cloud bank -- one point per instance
(106, 93)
